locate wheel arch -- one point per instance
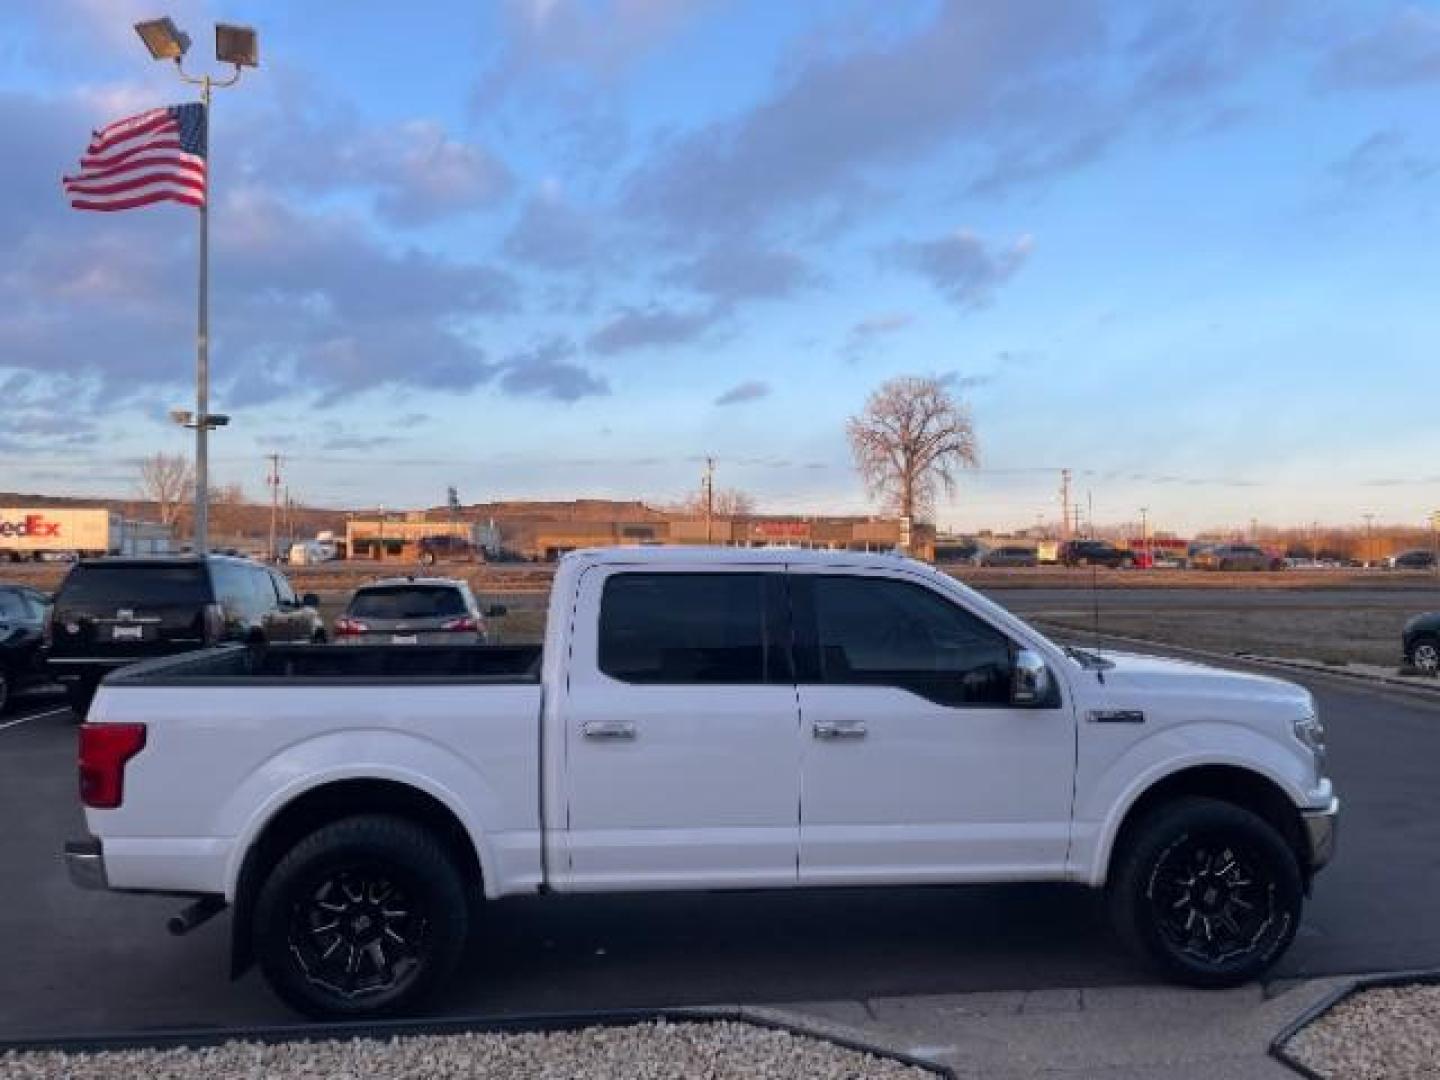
(332, 801)
(1235, 784)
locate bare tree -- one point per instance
(910, 441)
(168, 481)
(728, 503)
(229, 509)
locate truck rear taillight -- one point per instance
(463, 623)
(104, 750)
(345, 626)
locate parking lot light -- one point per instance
(238, 45)
(163, 38)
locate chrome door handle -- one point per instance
(825, 729)
(608, 729)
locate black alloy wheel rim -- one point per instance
(357, 933)
(1212, 900)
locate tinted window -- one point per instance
(13, 608)
(881, 632)
(687, 628)
(283, 589)
(234, 589)
(262, 589)
(135, 587)
(407, 602)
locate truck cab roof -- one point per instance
(730, 556)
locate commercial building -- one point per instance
(398, 536)
(544, 531)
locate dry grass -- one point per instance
(1338, 635)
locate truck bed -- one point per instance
(231, 665)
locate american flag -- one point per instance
(157, 155)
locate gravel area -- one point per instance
(660, 1051)
(1388, 1033)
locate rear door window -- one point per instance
(109, 588)
(693, 629)
(407, 602)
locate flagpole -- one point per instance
(202, 347)
(203, 420)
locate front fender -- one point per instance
(1105, 799)
(373, 754)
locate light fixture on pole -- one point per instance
(239, 47)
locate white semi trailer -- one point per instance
(37, 532)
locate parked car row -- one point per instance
(113, 612)
(1091, 552)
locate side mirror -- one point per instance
(1029, 679)
(494, 611)
(310, 600)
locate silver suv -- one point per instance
(414, 611)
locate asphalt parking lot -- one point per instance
(85, 962)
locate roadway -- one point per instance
(86, 962)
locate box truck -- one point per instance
(40, 532)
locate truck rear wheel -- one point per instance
(364, 917)
(1208, 892)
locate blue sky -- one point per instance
(549, 248)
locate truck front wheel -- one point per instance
(1207, 891)
(364, 917)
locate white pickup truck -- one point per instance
(699, 719)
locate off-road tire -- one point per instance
(1149, 907)
(370, 852)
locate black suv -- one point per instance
(113, 612)
(1094, 553)
(22, 625)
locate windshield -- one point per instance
(407, 602)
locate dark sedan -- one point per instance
(1010, 555)
(1094, 553)
(1421, 642)
(23, 612)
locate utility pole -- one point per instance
(1064, 504)
(709, 486)
(289, 529)
(1090, 502)
(274, 481)
(1145, 533)
(1369, 547)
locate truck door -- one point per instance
(915, 765)
(681, 730)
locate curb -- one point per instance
(1277, 1048)
(1317, 668)
(1309, 668)
(195, 1038)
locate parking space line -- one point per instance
(33, 716)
